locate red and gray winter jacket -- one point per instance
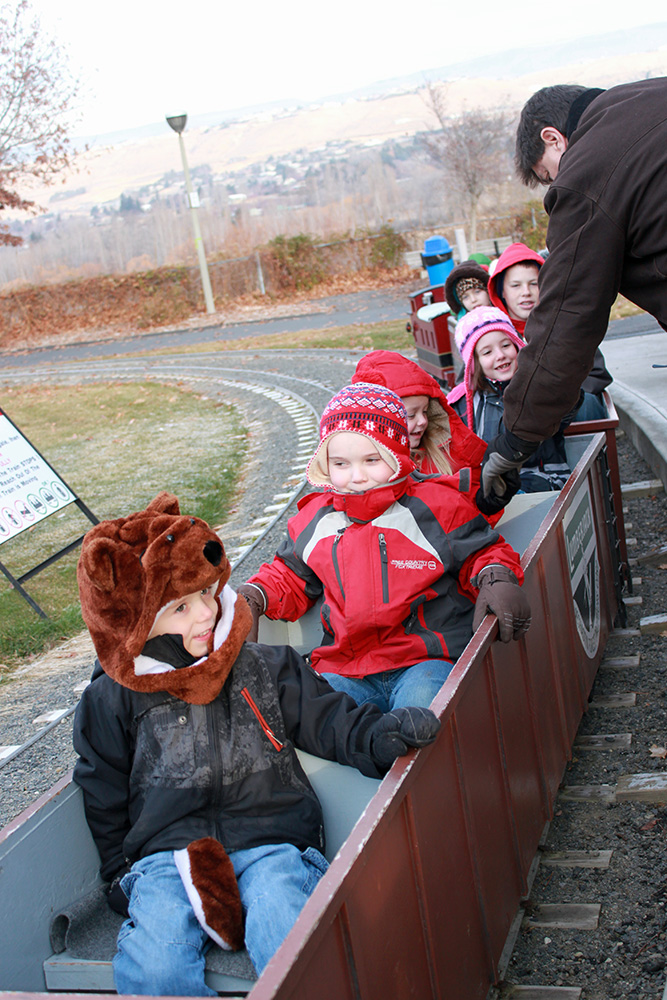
(394, 567)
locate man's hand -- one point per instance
(256, 598)
(397, 731)
(504, 456)
(501, 595)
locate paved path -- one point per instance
(376, 306)
(639, 392)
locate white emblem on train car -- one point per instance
(582, 558)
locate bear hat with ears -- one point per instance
(130, 570)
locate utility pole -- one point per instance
(177, 123)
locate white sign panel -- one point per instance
(30, 490)
(582, 556)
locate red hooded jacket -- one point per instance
(516, 253)
(406, 378)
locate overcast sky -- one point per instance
(140, 59)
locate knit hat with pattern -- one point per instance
(371, 410)
(469, 330)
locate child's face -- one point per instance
(520, 290)
(496, 356)
(192, 617)
(474, 297)
(417, 410)
(355, 464)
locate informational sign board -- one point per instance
(30, 489)
(582, 556)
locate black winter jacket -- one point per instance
(158, 772)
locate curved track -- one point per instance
(283, 404)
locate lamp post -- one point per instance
(177, 122)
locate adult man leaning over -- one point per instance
(604, 155)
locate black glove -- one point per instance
(257, 602)
(505, 454)
(493, 503)
(116, 898)
(501, 595)
(397, 731)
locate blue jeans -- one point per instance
(162, 947)
(401, 688)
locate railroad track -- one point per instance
(37, 705)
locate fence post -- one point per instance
(260, 274)
(461, 244)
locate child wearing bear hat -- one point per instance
(489, 346)
(206, 824)
(405, 565)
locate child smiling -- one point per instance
(489, 346)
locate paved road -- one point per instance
(338, 310)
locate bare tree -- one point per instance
(473, 149)
(36, 98)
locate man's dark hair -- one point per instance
(548, 107)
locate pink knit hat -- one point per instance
(371, 410)
(469, 330)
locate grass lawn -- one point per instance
(116, 445)
(363, 337)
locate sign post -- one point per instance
(30, 491)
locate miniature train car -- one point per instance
(430, 864)
(429, 324)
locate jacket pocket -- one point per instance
(165, 746)
(384, 567)
(275, 742)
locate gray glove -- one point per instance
(397, 731)
(257, 602)
(501, 595)
(505, 454)
(494, 470)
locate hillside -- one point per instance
(128, 164)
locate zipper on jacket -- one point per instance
(268, 732)
(384, 565)
(334, 558)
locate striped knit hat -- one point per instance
(371, 410)
(469, 330)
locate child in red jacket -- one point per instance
(405, 565)
(439, 439)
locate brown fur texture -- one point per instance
(213, 877)
(132, 567)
